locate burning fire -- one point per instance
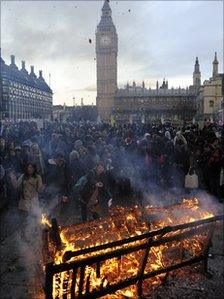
(121, 224)
(45, 220)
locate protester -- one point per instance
(76, 167)
(57, 177)
(138, 158)
(3, 150)
(2, 185)
(35, 157)
(93, 192)
(29, 185)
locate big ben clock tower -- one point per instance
(106, 60)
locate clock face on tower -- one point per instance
(105, 41)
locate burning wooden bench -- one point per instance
(126, 253)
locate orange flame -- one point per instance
(123, 223)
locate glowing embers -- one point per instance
(131, 250)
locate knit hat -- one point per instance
(27, 143)
(18, 148)
(73, 155)
(78, 144)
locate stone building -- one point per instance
(74, 113)
(154, 104)
(209, 99)
(221, 111)
(23, 94)
(132, 100)
(106, 58)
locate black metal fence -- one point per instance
(76, 282)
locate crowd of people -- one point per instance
(95, 164)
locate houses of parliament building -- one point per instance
(133, 100)
(24, 95)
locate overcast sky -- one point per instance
(157, 39)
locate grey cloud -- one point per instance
(57, 32)
(172, 37)
(156, 38)
(91, 88)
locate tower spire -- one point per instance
(106, 63)
(197, 73)
(196, 66)
(106, 7)
(106, 19)
(215, 66)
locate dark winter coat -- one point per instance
(57, 178)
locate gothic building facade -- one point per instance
(106, 57)
(23, 94)
(210, 95)
(132, 100)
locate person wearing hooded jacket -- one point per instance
(180, 139)
(93, 190)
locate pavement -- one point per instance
(20, 267)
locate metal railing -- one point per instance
(80, 280)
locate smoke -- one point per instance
(148, 181)
(207, 201)
(27, 236)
